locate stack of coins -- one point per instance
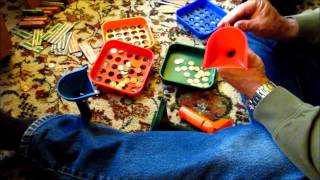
(28, 45)
(193, 74)
(55, 38)
(36, 40)
(52, 31)
(62, 46)
(21, 33)
(88, 52)
(74, 45)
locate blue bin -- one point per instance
(76, 85)
(200, 17)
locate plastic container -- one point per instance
(122, 67)
(202, 122)
(179, 51)
(134, 30)
(76, 85)
(200, 17)
(226, 48)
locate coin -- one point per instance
(191, 63)
(186, 74)
(25, 88)
(184, 68)
(137, 70)
(121, 67)
(207, 73)
(205, 85)
(51, 65)
(178, 61)
(126, 80)
(197, 76)
(178, 69)
(78, 54)
(122, 84)
(133, 80)
(113, 50)
(124, 72)
(113, 84)
(196, 81)
(190, 81)
(196, 68)
(205, 79)
(128, 64)
(191, 68)
(201, 72)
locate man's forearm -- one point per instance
(295, 126)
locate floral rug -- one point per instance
(28, 80)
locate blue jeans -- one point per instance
(292, 65)
(66, 145)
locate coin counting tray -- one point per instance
(169, 67)
(122, 67)
(200, 17)
(134, 30)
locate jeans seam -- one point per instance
(30, 132)
(79, 175)
(26, 141)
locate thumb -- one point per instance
(245, 25)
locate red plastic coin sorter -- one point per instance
(134, 30)
(122, 67)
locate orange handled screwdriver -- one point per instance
(202, 122)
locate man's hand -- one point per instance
(247, 81)
(261, 18)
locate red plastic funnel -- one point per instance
(226, 48)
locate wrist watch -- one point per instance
(260, 94)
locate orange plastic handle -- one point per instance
(202, 122)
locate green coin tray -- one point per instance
(188, 53)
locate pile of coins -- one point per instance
(194, 75)
(123, 71)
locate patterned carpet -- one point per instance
(28, 80)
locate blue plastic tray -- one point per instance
(200, 17)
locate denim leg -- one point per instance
(64, 144)
(279, 70)
(292, 65)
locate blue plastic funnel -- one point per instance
(77, 87)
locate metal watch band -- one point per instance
(261, 93)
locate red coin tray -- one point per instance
(134, 30)
(122, 67)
